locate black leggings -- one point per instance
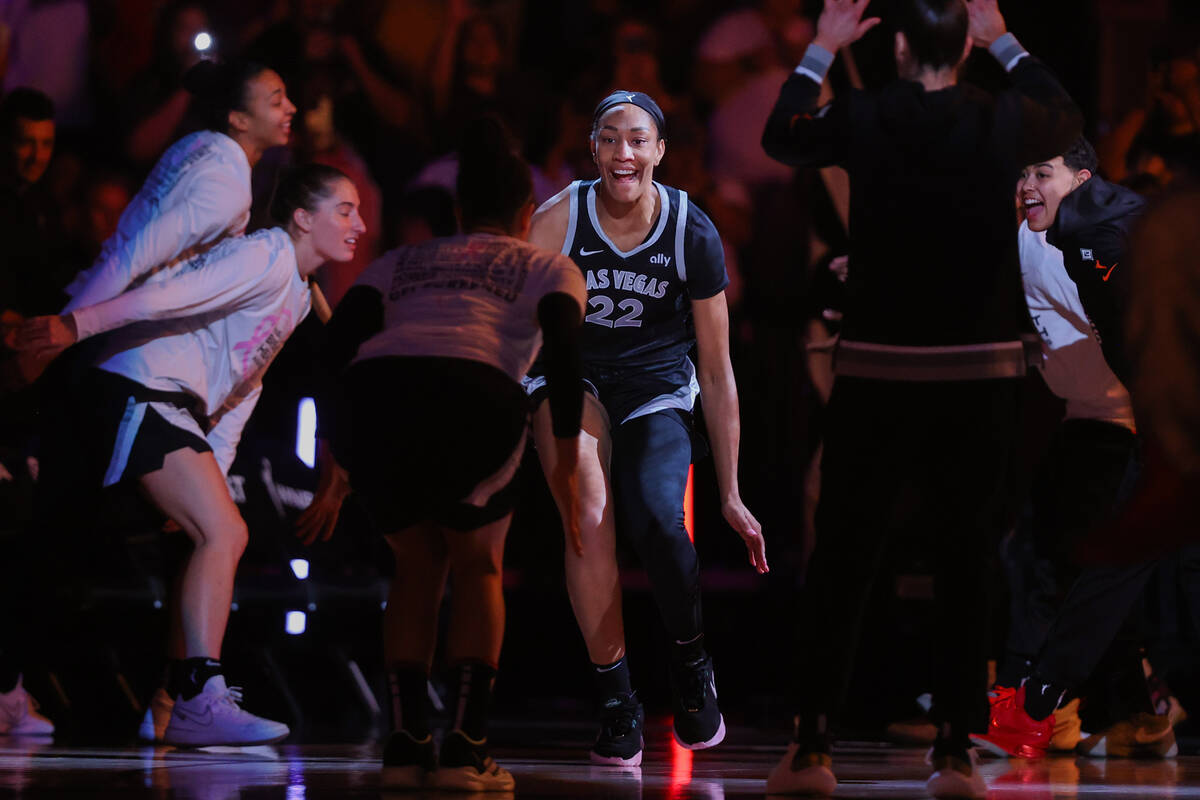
(946, 445)
(650, 458)
(1089, 470)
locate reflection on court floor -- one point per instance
(551, 763)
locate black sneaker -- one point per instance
(620, 740)
(464, 765)
(698, 721)
(407, 762)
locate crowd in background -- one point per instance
(384, 87)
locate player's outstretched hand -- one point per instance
(47, 334)
(320, 518)
(986, 22)
(742, 521)
(841, 24)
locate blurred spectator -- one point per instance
(569, 157)
(423, 214)
(31, 277)
(1163, 328)
(87, 223)
(564, 41)
(406, 32)
(44, 44)
(158, 107)
(378, 109)
(726, 203)
(318, 35)
(473, 74)
(122, 42)
(31, 273)
(742, 60)
(107, 195)
(636, 64)
(685, 21)
(1160, 142)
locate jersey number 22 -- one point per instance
(604, 308)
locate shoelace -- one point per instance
(233, 696)
(694, 678)
(620, 721)
(1001, 695)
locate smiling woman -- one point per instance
(199, 191)
(164, 406)
(197, 195)
(655, 273)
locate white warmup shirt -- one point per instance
(1072, 362)
(197, 194)
(471, 297)
(210, 329)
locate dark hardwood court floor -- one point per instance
(550, 764)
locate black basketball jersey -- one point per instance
(639, 301)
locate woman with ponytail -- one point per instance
(199, 191)
(175, 380)
(656, 289)
(197, 194)
(431, 427)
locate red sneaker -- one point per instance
(1012, 732)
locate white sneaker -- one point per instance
(158, 715)
(954, 778)
(214, 717)
(802, 773)
(19, 716)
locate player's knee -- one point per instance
(477, 562)
(591, 513)
(229, 535)
(475, 553)
(656, 519)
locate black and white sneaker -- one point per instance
(407, 761)
(619, 742)
(698, 721)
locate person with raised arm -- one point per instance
(930, 360)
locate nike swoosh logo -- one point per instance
(1141, 737)
(1110, 269)
(200, 719)
(583, 252)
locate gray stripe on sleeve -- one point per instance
(572, 219)
(1008, 51)
(816, 62)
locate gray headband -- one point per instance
(639, 99)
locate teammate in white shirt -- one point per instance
(199, 191)
(197, 194)
(1068, 624)
(175, 383)
(431, 428)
